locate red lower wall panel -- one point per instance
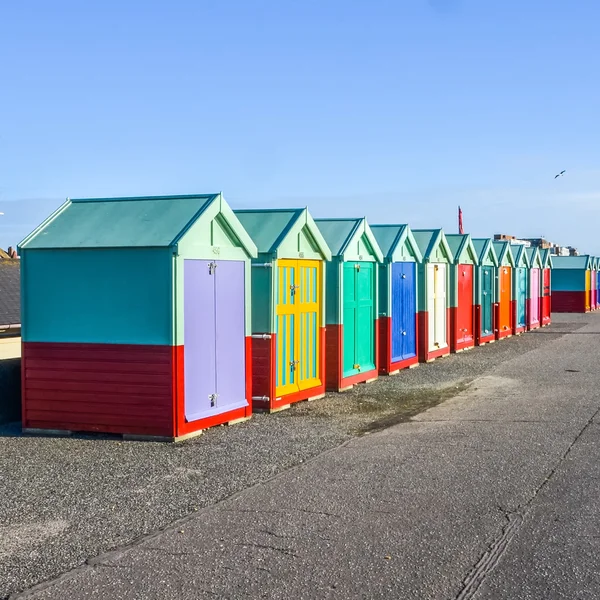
(185, 427)
(109, 388)
(479, 337)
(333, 356)
(386, 366)
(264, 373)
(569, 302)
(455, 344)
(545, 310)
(426, 355)
(334, 360)
(98, 388)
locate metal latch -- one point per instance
(357, 267)
(357, 367)
(293, 364)
(212, 267)
(213, 399)
(293, 289)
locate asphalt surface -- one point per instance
(490, 494)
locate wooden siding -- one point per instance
(570, 302)
(98, 387)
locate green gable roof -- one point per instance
(485, 250)
(137, 222)
(340, 234)
(269, 228)
(546, 257)
(535, 260)
(430, 239)
(392, 239)
(571, 262)
(462, 248)
(520, 254)
(504, 253)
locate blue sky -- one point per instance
(397, 110)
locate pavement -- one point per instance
(492, 493)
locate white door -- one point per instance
(440, 306)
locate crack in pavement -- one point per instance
(492, 556)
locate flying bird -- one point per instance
(559, 174)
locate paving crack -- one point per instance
(492, 556)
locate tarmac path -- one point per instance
(491, 494)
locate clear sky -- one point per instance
(395, 109)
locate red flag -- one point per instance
(460, 223)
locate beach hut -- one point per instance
(398, 340)
(136, 317)
(571, 283)
(546, 298)
(462, 292)
(520, 287)
(485, 291)
(351, 337)
(504, 284)
(597, 283)
(433, 297)
(594, 283)
(288, 306)
(535, 289)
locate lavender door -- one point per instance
(214, 337)
(199, 352)
(231, 335)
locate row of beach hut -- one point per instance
(575, 284)
(162, 316)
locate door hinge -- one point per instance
(212, 267)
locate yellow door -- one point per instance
(298, 317)
(588, 290)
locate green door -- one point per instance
(359, 318)
(487, 298)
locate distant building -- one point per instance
(540, 243)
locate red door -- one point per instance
(546, 298)
(464, 334)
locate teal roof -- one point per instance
(571, 262)
(338, 232)
(547, 258)
(428, 239)
(390, 237)
(341, 234)
(269, 228)
(520, 253)
(459, 243)
(483, 246)
(119, 222)
(502, 250)
(534, 256)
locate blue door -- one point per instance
(521, 295)
(404, 308)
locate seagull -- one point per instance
(559, 174)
